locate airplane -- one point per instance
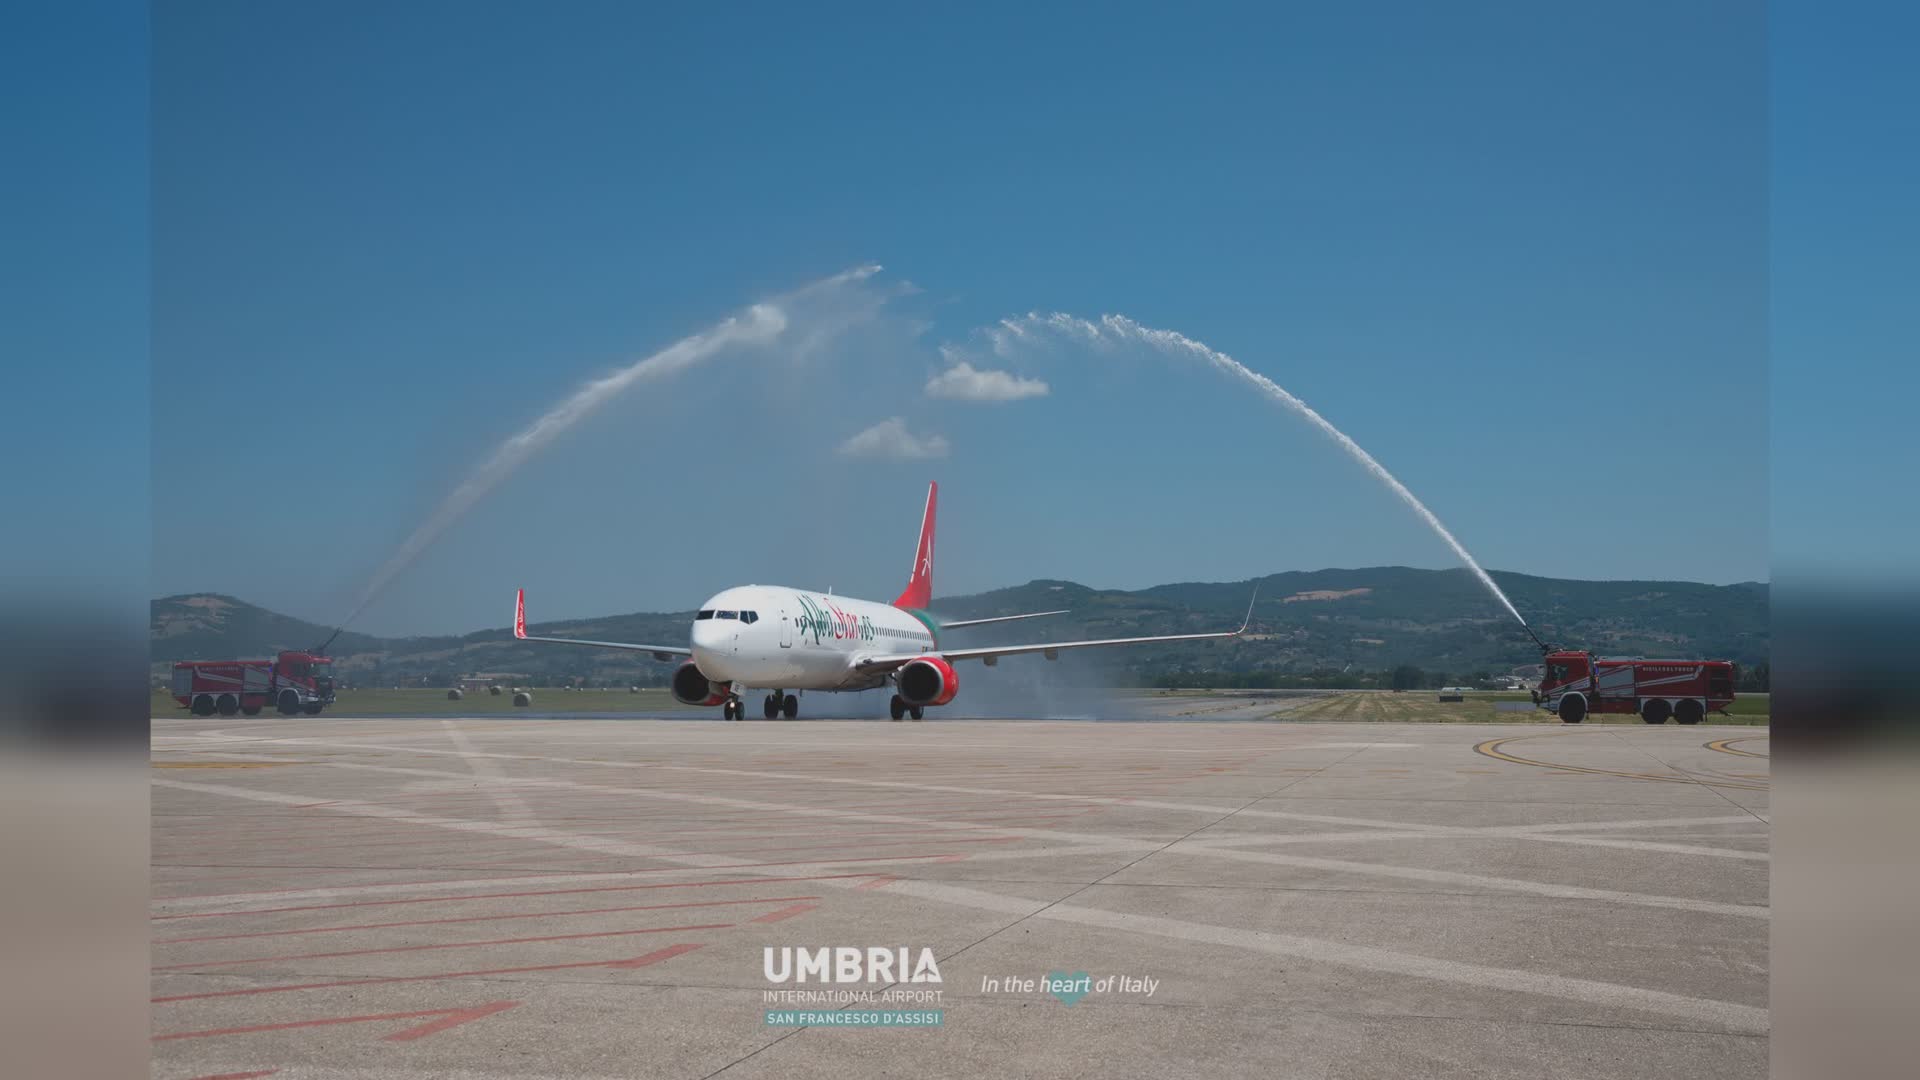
(765, 637)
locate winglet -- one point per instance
(1248, 621)
(520, 613)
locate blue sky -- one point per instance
(1519, 254)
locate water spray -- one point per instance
(1009, 334)
(760, 325)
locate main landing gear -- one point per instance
(778, 705)
(898, 708)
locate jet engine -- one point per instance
(690, 687)
(926, 681)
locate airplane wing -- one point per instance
(1050, 648)
(660, 652)
(998, 618)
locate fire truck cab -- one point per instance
(294, 682)
(1575, 683)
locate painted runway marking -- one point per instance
(420, 886)
(1739, 1017)
(448, 1018)
(1726, 746)
(563, 839)
(784, 913)
(645, 960)
(512, 807)
(436, 946)
(478, 918)
(1491, 748)
(1448, 877)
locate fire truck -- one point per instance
(294, 682)
(1577, 683)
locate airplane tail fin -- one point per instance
(919, 591)
(520, 613)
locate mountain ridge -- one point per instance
(1368, 618)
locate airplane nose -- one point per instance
(712, 642)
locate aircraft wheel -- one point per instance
(770, 708)
(897, 707)
(1689, 712)
(790, 707)
(919, 713)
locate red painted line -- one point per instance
(508, 895)
(638, 961)
(439, 945)
(879, 882)
(482, 918)
(453, 1020)
(655, 957)
(785, 913)
(456, 1016)
(308, 888)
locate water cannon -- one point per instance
(1545, 647)
(322, 650)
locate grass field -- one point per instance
(1424, 707)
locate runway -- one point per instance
(597, 898)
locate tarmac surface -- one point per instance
(604, 898)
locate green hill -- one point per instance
(1369, 619)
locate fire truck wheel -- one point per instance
(227, 705)
(1573, 708)
(289, 703)
(1655, 711)
(312, 710)
(203, 706)
(250, 710)
(1689, 712)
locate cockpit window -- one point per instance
(749, 616)
(707, 614)
(726, 614)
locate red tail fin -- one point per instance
(920, 586)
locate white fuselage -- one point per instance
(769, 637)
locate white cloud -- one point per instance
(890, 440)
(964, 382)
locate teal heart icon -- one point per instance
(1069, 988)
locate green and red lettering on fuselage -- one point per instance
(826, 620)
(928, 621)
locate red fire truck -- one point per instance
(1577, 683)
(294, 682)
